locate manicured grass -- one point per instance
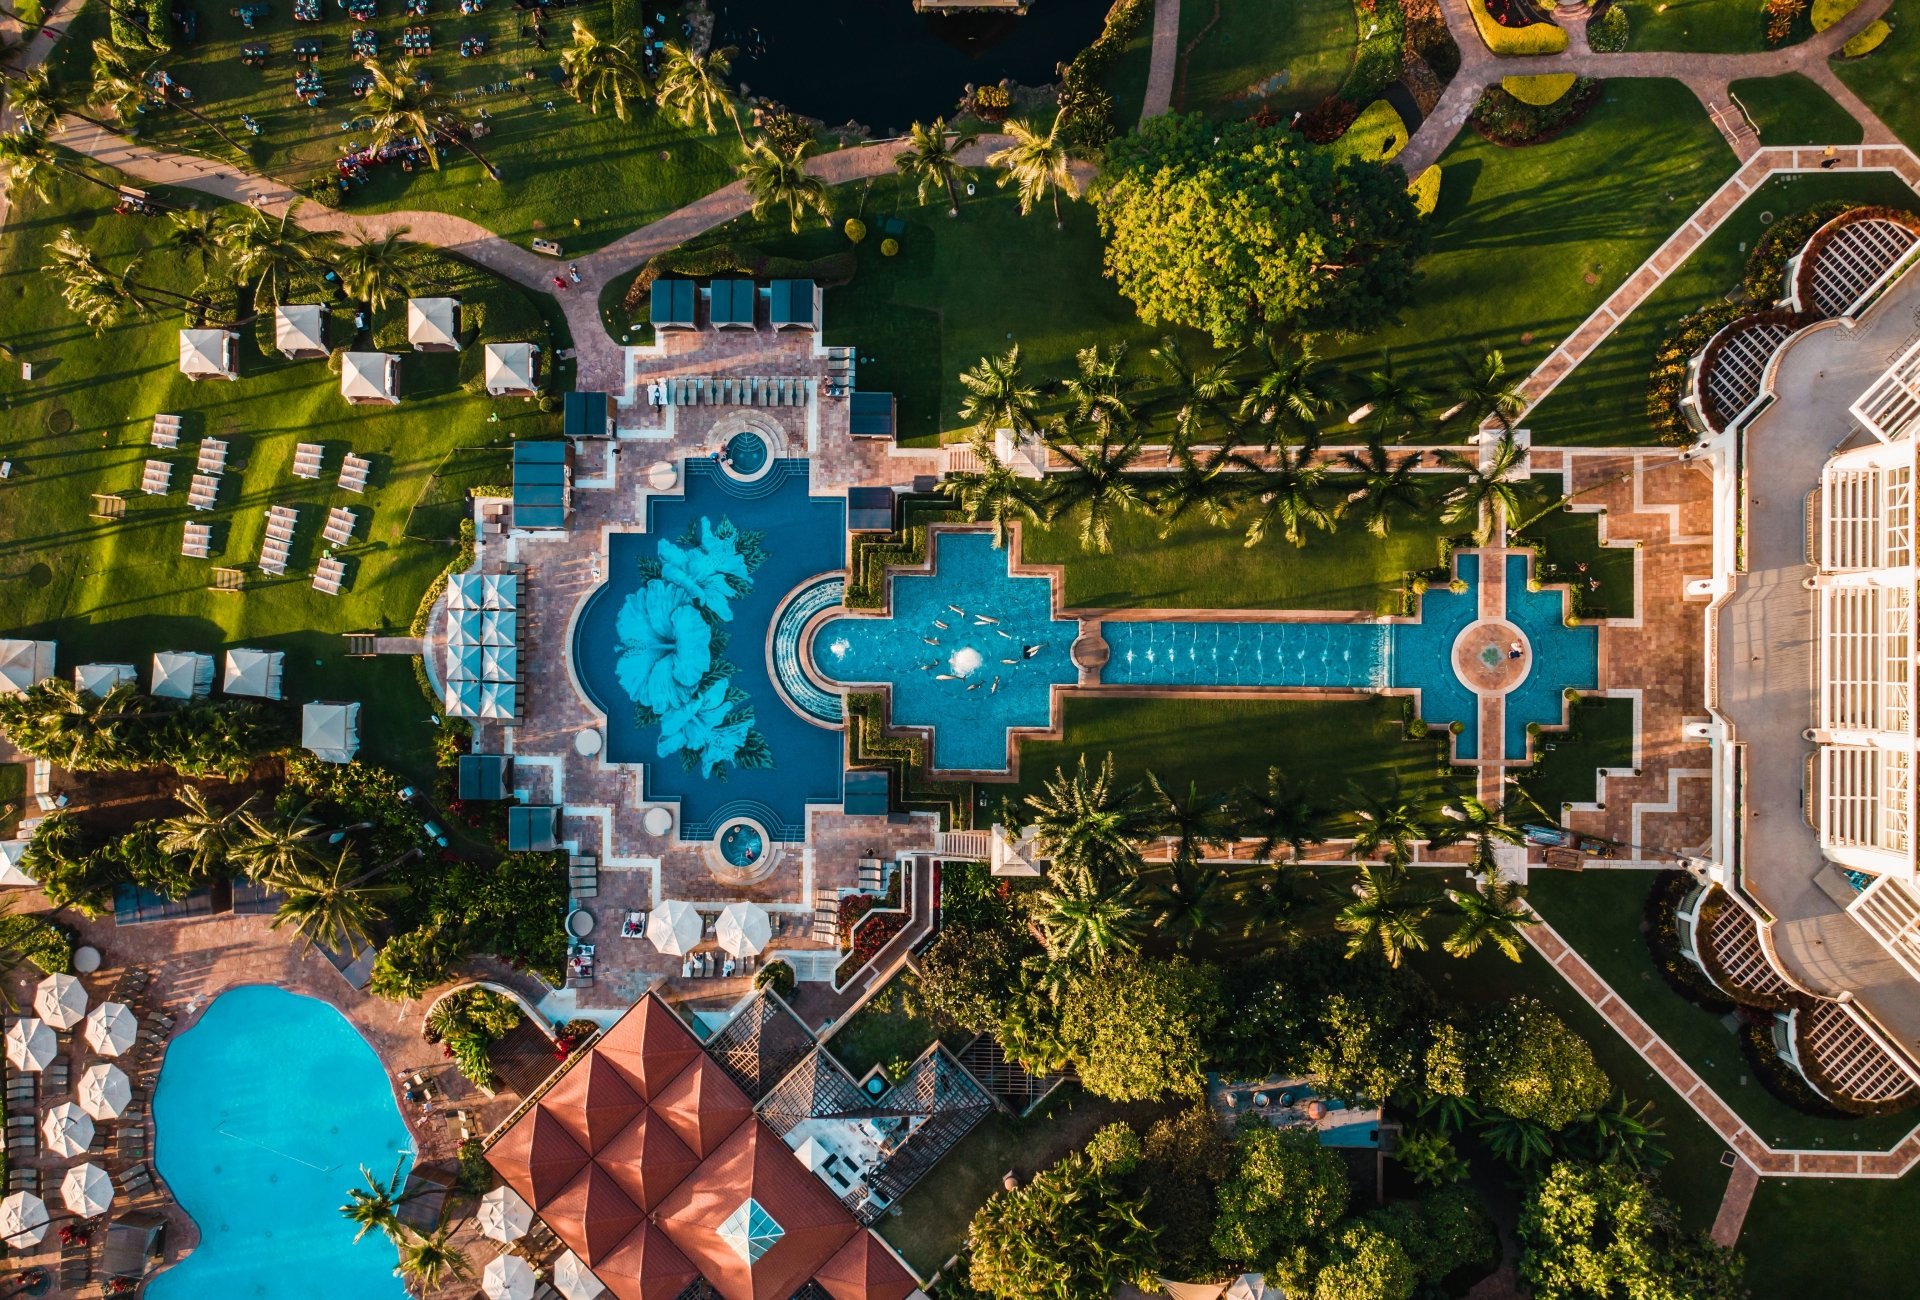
(120, 591)
(889, 1029)
(1568, 763)
(1199, 566)
(1705, 26)
(569, 175)
(1571, 539)
(1603, 402)
(1529, 241)
(1126, 77)
(1256, 55)
(1889, 78)
(1805, 1235)
(1793, 110)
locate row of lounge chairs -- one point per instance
(273, 550)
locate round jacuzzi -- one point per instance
(747, 455)
(743, 843)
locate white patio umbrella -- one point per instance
(111, 1028)
(30, 1044)
(507, 1277)
(60, 1000)
(503, 1215)
(674, 928)
(743, 928)
(67, 1129)
(105, 1091)
(575, 1280)
(87, 1190)
(23, 1220)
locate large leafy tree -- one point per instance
(971, 974)
(1596, 1232)
(1528, 1064)
(1136, 1026)
(1234, 228)
(1286, 1189)
(1070, 1234)
(1365, 1263)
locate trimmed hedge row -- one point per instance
(1513, 42)
(1513, 123)
(737, 259)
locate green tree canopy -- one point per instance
(1183, 1159)
(1285, 1190)
(1236, 229)
(1070, 1233)
(1135, 1026)
(1596, 1232)
(1527, 1063)
(1365, 1264)
(971, 976)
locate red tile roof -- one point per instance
(649, 1045)
(645, 1266)
(647, 1160)
(865, 1269)
(593, 1215)
(703, 1105)
(594, 1102)
(537, 1157)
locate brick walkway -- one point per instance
(1741, 1185)
(1165, 59)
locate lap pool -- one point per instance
(265, 1111)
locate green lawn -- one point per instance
(1603, 402)
(1599, 913)
(1889, 78)
(1568, 763)
(1793, 110)
(1870, 1248)
(120, 591)
(1126, 77)
(1703, 26)
(575, 177)
(888, 1030)
(1260, 55)
(1571, 539)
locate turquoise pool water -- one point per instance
(748, 453)
(265, 1111)
(1353, 656)
(971, 650)
(1423, 657)
(1563, 657)
(741, 845)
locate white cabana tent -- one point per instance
(67, 1130)
(507, 1277)
(503, 1216)
(24, 664)
(499, 590)
(181, 675)
(104, 1091)
(11, 872)
(300, 330)
(86, 1190)
(674, 928)
(330, 730)
(498, 700)
(508, 370)
(253, 672)
(208, 354)
(1250, 1286)
(743, 929)
(23, 1220)
(370, 377)
(61, 1001)
(574, 1279)
(111, 1028)
(464, 663)
(31, 1045)
(433, 324)
(98, 679)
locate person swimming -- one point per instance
(1008, 635)
(1029, 651)
(939, 624)
(1009, 661)
(931, 640)
(956, 609)
(981, 620)
(996, 686)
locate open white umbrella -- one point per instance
(743, 929)
(30, 1044)
(507, 1277)
(674, 928)
(111, 1028)
(67, 1129)
(575, 1280)
(503, 1215)
(60, 1000)
(87, 1190)
(104, 1091)
(23, 1220)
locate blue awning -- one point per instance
(866, 794)
(484, 776)
(870, 415)
(587, 415)
(672, 307)
(792, 305)
(531, 828)
(540, 484)
(732, 305)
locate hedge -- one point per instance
(1869, 40)
(1086, 107)
(49, 947)
(1377, 135)
(1539, 90)
(734, 259)
(1609, 33)
(141, 24)
(1513, 123)
(1828, 12)
(1378, 59)
(1512, 42)
(1426, 191)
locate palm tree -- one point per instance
(101, 297)
(282, 843)
(600, 71)
(1267, 907)
(1200, 490)
(1519, 1143)
(376, 1207)
(1481, 391)
(400, 106)
(776, 179)
(1199, 396)
(1097, 390)
(270, 254)
(335, 906)
(40, 102)
(1497, 914)
(1619, 1133)
(1284, 813)
(1387, 484)
(194, 235)
(1082, 921)
(691, 86)
(1391, 404)
(377, 271)
(1486, 824)
(1293, 495)
(1190, 819)
(931, 159)
(1386, 910)
(1038, 166)
(997, 397)
(1390, 827)
(1097, 486)
(28, 162)
(433, 1259)
(1488, 496)
(204, 834)
(1293, 396)
(993, 492)
(1186, 907)
(1088, 821)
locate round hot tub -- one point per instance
(747, 455)
(743, 843)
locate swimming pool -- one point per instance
(264, 1113)
(1350, 656)
(747, 454)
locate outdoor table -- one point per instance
(86, 959)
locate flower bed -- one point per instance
(1511, 42)
(872, 933)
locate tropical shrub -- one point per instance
(856, 230)
(1512, 42)
(1183, 1160)
(970, 977)
(126, 731)
(468, 1022)
(1828, 12)
(141, 24)
(1609, 33)
(1135, 1026)
(786, 131)
(1511, 122)
(1086, 109)
(1602, 1230)
(1870, 38)
(1286, 1189)
(1529, 1065)
(1782, 16)
(776, 975)
(1667, 380)
(39, 941)
(411, 963)
(1071, 1233)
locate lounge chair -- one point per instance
(166, 432)
(306, 459)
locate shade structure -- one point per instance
(11, 872)
(30, 1044)
(674, 927)
(67, 1129)
(370, 377)
(507, 369)
(105, 1091)
(207, 354)
(61, 1001)
(433, 324)
(507, 1277)
(111, 1028)
(743, 929)
(330, 730)
(574, 1279)
(23, 1220)
(181, 675)
(254, 672)
(24, 663)
(503, 1215)
(300, 329)
(86, 1190)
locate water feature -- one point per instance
(742, 843)
(800, 690)
(1563, 657)
(264, 1113)
(1347, 656)
(747, 454)
(879, 63)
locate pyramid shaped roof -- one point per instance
(866, 1269)
(592, 1214)
(646, 1266)
(594, 1102)
(537, 1157)
(703, 1106)
(647, 1160)
(650, 1045)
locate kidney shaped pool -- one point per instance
(265, 1111)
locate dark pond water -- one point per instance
(879, 63)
